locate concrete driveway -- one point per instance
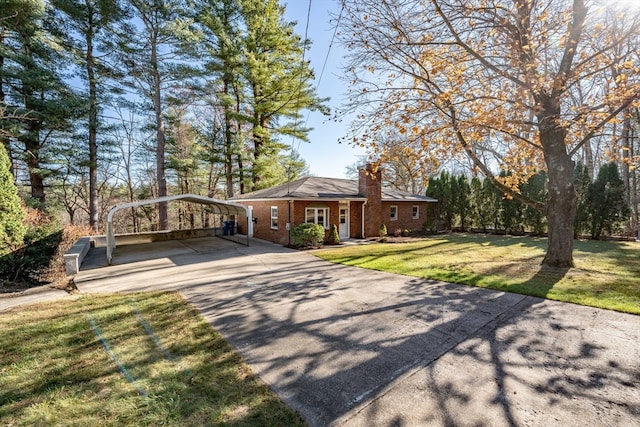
(353, 347)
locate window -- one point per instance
(393, 213)
(415, 212)
(317, 216)
(274, 217)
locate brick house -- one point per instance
(358, 208)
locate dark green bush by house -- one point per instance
(333, 238)
(307, 235)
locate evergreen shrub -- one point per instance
(12, 216)
(334, 237)
(307, 235)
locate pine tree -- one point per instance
(84, 26)
(42, 103)
(154, 57)
(605, 199)
(536, 189)
(461, 189)
(220, 50)
(279, 83)
(436, 189)
(442, 188)
(511, 211)
(582, 181)
(481, 215)
(12, 228)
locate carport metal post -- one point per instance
(111, 241)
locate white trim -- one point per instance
(417, 212)
(271, 217)
(363, 210)
(391, 216)
(325, 222)
(347, 222)
(303, 199)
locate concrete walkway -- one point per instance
(353, 347)
(31, 296)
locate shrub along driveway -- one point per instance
(348, 346)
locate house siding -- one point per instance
(262, 228)
(355, 215)
(405, 219)
(370, 186)
(262, 211)
(367, 215)
(355, 226)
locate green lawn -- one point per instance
(607, 274)
(172, 368)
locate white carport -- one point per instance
(220, 207)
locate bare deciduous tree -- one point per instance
(493, 82)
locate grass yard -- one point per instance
(172, 368)
(607, 274)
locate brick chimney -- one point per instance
(370, 186)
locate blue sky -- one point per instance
(324, 155)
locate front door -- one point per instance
(344, 223)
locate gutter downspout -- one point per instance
(289, 203)
(363, 205)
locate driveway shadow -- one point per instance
(348, 346)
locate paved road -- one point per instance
(353, 347)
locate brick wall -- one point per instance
(355, 226)
(262, 211)
(370, 186)
(405, 216)
(262, 228)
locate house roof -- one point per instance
(391, 194)
(313, 187)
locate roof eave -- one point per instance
(324, 199)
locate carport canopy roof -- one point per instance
(221, 206)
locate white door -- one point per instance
(344, 223)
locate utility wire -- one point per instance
(326, 58)
(304, 52)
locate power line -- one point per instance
(304, 52)
(326, 58)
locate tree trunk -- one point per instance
(32, 147)
(241, 174)
(635, 217)
(239, 157)
(561, 201)
(31, 137)
(93, 131)
(228, 141)
(626, 171)
(588, 160)
(163, 215)
(258, 121)
(4, 139)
